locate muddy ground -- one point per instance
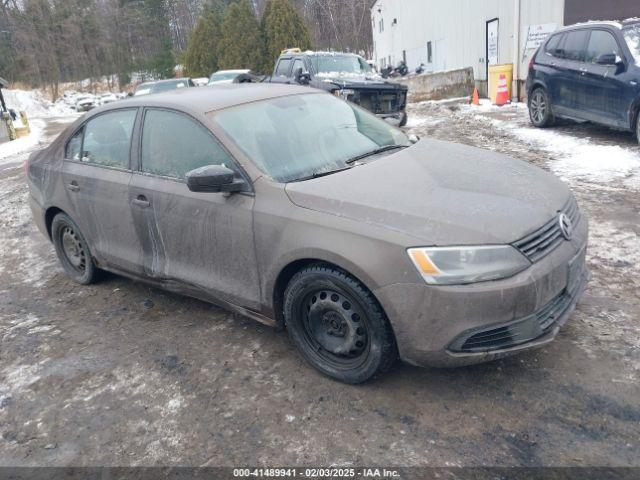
(122, 374)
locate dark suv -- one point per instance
(346, 75)
(588, 72)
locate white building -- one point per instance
(452, 34)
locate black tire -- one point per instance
(72, 250)
(540, 112)
(337, 325)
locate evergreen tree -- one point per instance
(241, 44)
(282, 28)
(201, 58)
(218, 6)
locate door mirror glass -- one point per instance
(212, 179)
(608, 59)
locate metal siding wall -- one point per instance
(461, 25)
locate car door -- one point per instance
(282, 72)
(571, 90)
(96, 173)
(201, 240)
(606, 85)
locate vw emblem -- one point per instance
(566, 227)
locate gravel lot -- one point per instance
(122, 374)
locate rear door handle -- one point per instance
(73, 186)
(141, 201)
(633, 83)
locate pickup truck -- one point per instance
(346, 75)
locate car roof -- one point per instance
(213, 97)
(242, 70)
(630, 22)
(173, 80)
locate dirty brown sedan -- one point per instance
(305, 212)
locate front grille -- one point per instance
(382, 102)
(544, 240)
(524, 330)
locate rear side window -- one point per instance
(107, 139)
(553, 44)
(282, 70)
(74, 145)
(174, 144)
(574, 45)
(601, 43)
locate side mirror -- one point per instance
(301, 77)
(213, 179)
(609, 59)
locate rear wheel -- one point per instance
(540, 108)
(337, 325)
(72, 250)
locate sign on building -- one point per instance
(538, 34)
(492, 42)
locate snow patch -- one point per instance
(35, 104)
(9, 150)
(581, 159)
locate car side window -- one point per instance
(282, 70)
(601, 43)
(174, 144)
(74, 145)
(553, 44)
(107, 139)
(574, 45)
(298, 63)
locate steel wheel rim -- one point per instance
(335, 327)
(538, 107)
(73, 249)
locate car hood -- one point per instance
(355, 80)
(441, 193)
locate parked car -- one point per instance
(163, 86)
(84, 103)
(226, 76)
(320, 218)
(107, 97)
(588, 72)
(346, 75)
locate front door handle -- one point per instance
(633, 83)
(141, 201)
(73, 186)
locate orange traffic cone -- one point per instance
(475, 100)
(502, 97)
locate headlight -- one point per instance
(460, 265)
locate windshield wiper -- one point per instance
(386, 148)
(321, 173)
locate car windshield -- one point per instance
(632, 36)
(299, 136)
(217, 77)
(332, 64)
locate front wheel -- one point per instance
(337, 325)
(540, 108)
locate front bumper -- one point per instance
(439, 325)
